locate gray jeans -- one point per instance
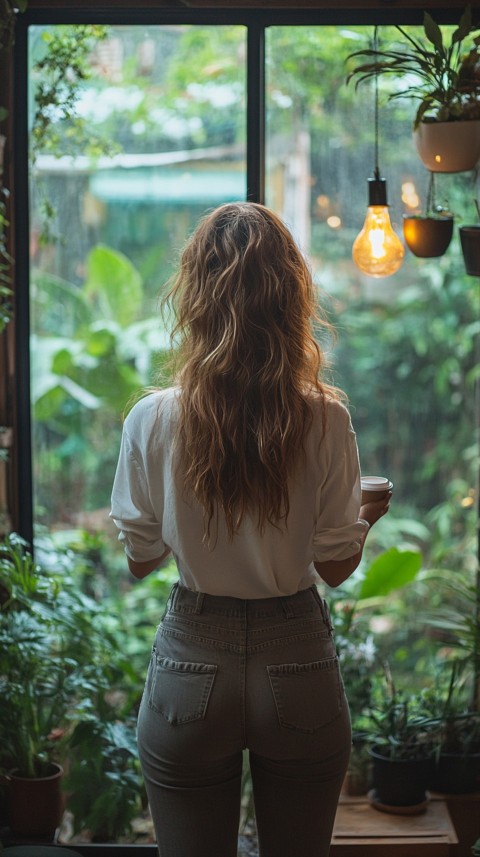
(228, 674)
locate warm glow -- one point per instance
(323, 201)
(377, 250)
(410, 197)
(334, 222)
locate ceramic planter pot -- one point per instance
(470, 241)
(400, 782)
(427, 237)
(35, 805)
(448, 147)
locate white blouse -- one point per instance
(152, 512)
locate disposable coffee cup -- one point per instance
(374, 488)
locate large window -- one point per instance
(165, 122)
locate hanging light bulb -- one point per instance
(377, 249)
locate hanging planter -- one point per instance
(448, 147)
(443, 78)
(470, 243)
(428, 235)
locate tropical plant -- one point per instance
(389, 571)
(400, 724)
(104, 780)
(65, 697)
(35, 671)
(84, 378)
(49, 644)
(456, 622)
(444, 78)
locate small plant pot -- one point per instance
(470, 241)
(427, 237)
(448, 147)
(456, 773)
(35, 805)
(400, 782)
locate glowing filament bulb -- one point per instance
(377, 250)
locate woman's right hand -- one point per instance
(375, 509)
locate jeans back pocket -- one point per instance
(307, 696)
(179, 690)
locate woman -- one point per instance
(247, 471)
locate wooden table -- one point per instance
(363, 831)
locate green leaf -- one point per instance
(391, 570)
(464, 26)
(62, 362)
(114, 285)
(433, 32)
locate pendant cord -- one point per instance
(431, 205)
(375, 48)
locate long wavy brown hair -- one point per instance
(246, 362)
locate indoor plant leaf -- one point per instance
(391, 570)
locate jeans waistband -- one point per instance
(183, 600)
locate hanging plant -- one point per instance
(8, 11)
(445, 80)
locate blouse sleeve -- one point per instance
(338, 529)
(131, 507)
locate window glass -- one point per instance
(407, 350)
(135, 132)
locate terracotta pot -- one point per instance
(35, 805)
(427, 237)
(470, 241)
(448, 147)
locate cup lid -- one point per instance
(376, 483)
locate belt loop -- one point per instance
(326, 616)
(171, 599)
(287, 608)
(323, 607)
(199, 604)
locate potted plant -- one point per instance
(457, 756)
(428, 235)
(457, 768)
(33, 692)
(445, 80)
(47, 639)
(358, 657)
(402, 739)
